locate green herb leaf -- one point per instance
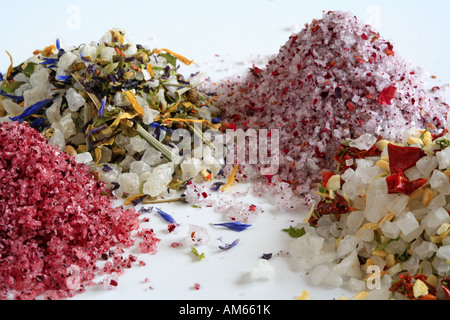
(11, 86)
(382, 246)
(198, 255)
(29, 68)
(295, 233)
(170, 58)
(442, 143)
(111, 67)
(322, 189)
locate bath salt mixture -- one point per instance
(119, 107)
(336, 79)
(381, 229)
(56, 220)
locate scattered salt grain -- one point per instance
(263, 269)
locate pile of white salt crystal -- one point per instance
(336, 79)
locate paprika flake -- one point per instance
(403, 158)
(398, 183)
(386, 96)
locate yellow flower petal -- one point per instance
(231, 178)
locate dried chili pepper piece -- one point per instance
(398, 183)
(405, 286)
(403, 158)
(336, 206)
(326, 175)
(386, 96)
(445, 285)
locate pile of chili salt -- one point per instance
(336, 79)
(55, 218)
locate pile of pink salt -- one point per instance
(55, 218)
(337, 79)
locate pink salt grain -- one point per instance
(336, 79)
(54, 218)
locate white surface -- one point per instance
(224, 38)
(222, 275)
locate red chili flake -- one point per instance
(171, 227)
(336, 206)
(351, 106)
(354, 153)
(256, 71)
(405, 286)
(205, 195)
(398, 183)
(252, 207)
(230, 125)
(196, 286)
(176, 244)
(364, 36)
(445, 285)
(326, 175)
(403, 158)
(386, 96)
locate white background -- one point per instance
(224, 38)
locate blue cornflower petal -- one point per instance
(216, 120)
(227, 246)
(83, 58)
(37, 123)
(102, 108)
(236, 226)
(48, 61)
(15, 98)
(32, 110)
(58, 45)
(63, 78)
(166, 216)
(1, 76)
(95, 130)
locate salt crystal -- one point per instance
(263, 269)
(307, 246)
(129, 183)
(440, 182)
(197, 235)
(152, 157)
(325, 275)
(108, 53)
(444, 252)
(407, 223)
(390, 229)
(443, 158)
(364, 142)
(426, 165)
(356, 285)
(137, 145)
(66, 126)
(74, 99)
(159, 179)
(347, 245)
(84, 157)
(66, 60)
(139, 167)
(436, 218)
(349, 266)
(425, 250)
